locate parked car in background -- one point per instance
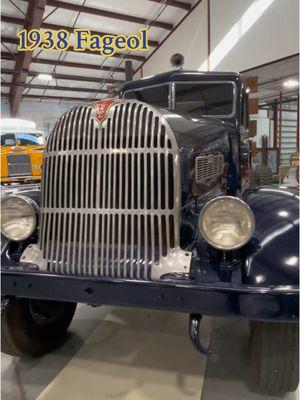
(22, 147)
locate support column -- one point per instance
(34, 16)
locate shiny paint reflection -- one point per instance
(276, 211)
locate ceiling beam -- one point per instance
(34, 16)
(280, 78)
(276, 101)
(49, 87)
(11, 40)
(108, 14)
(5, 55)
(45, 61)
(274, 62)
(46, 25)
(62, 98)
(175, 3)
(79, 78)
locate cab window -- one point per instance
(155, 95)
(30, 139)
(8, 139)
(203, 98)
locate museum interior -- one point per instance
(150, 199)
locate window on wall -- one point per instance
(30, 139)
(155, 95)
(211, 99)
(8, 139)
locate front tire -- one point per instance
(274, 349)
(32, 328)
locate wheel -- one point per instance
(274, 356)
(263, 175)
(31, 328)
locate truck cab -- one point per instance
(211, 94)
(211, 97)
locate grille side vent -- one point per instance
(208, 167)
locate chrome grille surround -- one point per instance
(208, 167)
(19, 165)
(111, 195)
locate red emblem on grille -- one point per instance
(102, 108)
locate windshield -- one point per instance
(30, 139)
(8, 139)
(22, 139)
(204, 98)
(156, 95)
(214, 99)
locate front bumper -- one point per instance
(21, 179)
(279, 303)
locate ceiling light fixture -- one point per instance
(291, 83)
(45, 77)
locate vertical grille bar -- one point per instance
(120, 194)
(152, 196)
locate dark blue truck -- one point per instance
(145, 202)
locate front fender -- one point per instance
(275, 259)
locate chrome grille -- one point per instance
(18, 165)
(208, 167)
(110, 193)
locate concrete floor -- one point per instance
(226, 375)
(25, 380)
(134, 354)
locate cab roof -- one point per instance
(183, 76)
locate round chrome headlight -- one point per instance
(18, 217)
(226, 223)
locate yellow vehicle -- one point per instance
(22, 148)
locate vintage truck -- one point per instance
(145, 202)
(22, 147)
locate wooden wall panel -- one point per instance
(253, 106)
(252, 128)
(251, 82)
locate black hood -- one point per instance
(197, 136)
